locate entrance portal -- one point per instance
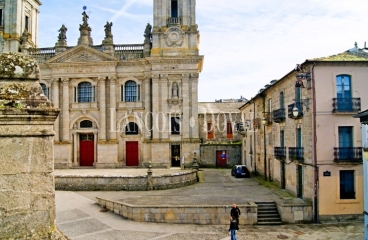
(131, 153)
(86, 149)
(221, 159)
(175, 155)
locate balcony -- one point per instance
(346, 105)
(348, 154)
(296, 153)
(279, 152)
(173, 21)
(278, 115)
(297, 104)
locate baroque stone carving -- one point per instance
(174, 37)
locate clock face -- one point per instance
(174, 36)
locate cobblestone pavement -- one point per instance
(78, 217)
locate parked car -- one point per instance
(240, 171)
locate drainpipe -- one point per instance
(264, 140)
(315, 166)
(254, 140)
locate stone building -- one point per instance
(221, 142)
(18, 24)
(124, 105)
(300, 133)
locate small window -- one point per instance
(1, 17)
(282, 103)
(131, 129)
(175, 125)
(229, 130)
(347, 184)
(86, 124)
(26, 24)
(210, 134)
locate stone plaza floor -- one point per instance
(79, 217)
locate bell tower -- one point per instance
(18, 24)
(175, 32)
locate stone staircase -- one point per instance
(268, 214)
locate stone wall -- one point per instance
(27, 204)
(181, 214)
(131, 183)
(208, 154)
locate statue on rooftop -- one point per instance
(108, 29)
(85, 18)
(62, 33)
(147, 33)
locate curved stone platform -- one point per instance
(122, 179)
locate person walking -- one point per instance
(235, 213)
(233, 228)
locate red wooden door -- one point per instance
(221, 158)
(86, 149)
(131, 153)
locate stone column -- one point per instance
(165, 124)
(156, 100)
(193, 121)
(102, 106)
(186, 106)
(27, 196)
(65, 110)
(112, 111)
(55, 101)
(147, 106)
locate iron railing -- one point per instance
(296, 153)
(346, 105)
(279, 152)
(278, 115)
(353, 154)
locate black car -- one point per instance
(240, 171)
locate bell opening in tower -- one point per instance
(174, 9)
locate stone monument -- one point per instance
(27, 196)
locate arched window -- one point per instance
(343, 90)
(44, 89)
(84, 92)
(130, 91)
(131, 129)
(86, 124)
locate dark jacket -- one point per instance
(235, 212)
(233, 225)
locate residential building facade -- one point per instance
(218, 132)
(301, 133)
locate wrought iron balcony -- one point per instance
(346, 105)
(297, 104)
(278, 115)
(296, 153)
(279, 152)
(350, 154)
(174, 21)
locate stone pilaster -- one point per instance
(155, 106)
(164, 117)
(55, 101)
(193, 121)
(65, 110)
(186, 106)
(147, 107)
(112, 111)
(102, 106)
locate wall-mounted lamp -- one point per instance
(365, 151)
(305, 102)
(264, 121)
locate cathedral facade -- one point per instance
(123, 105)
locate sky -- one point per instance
(245, 44)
